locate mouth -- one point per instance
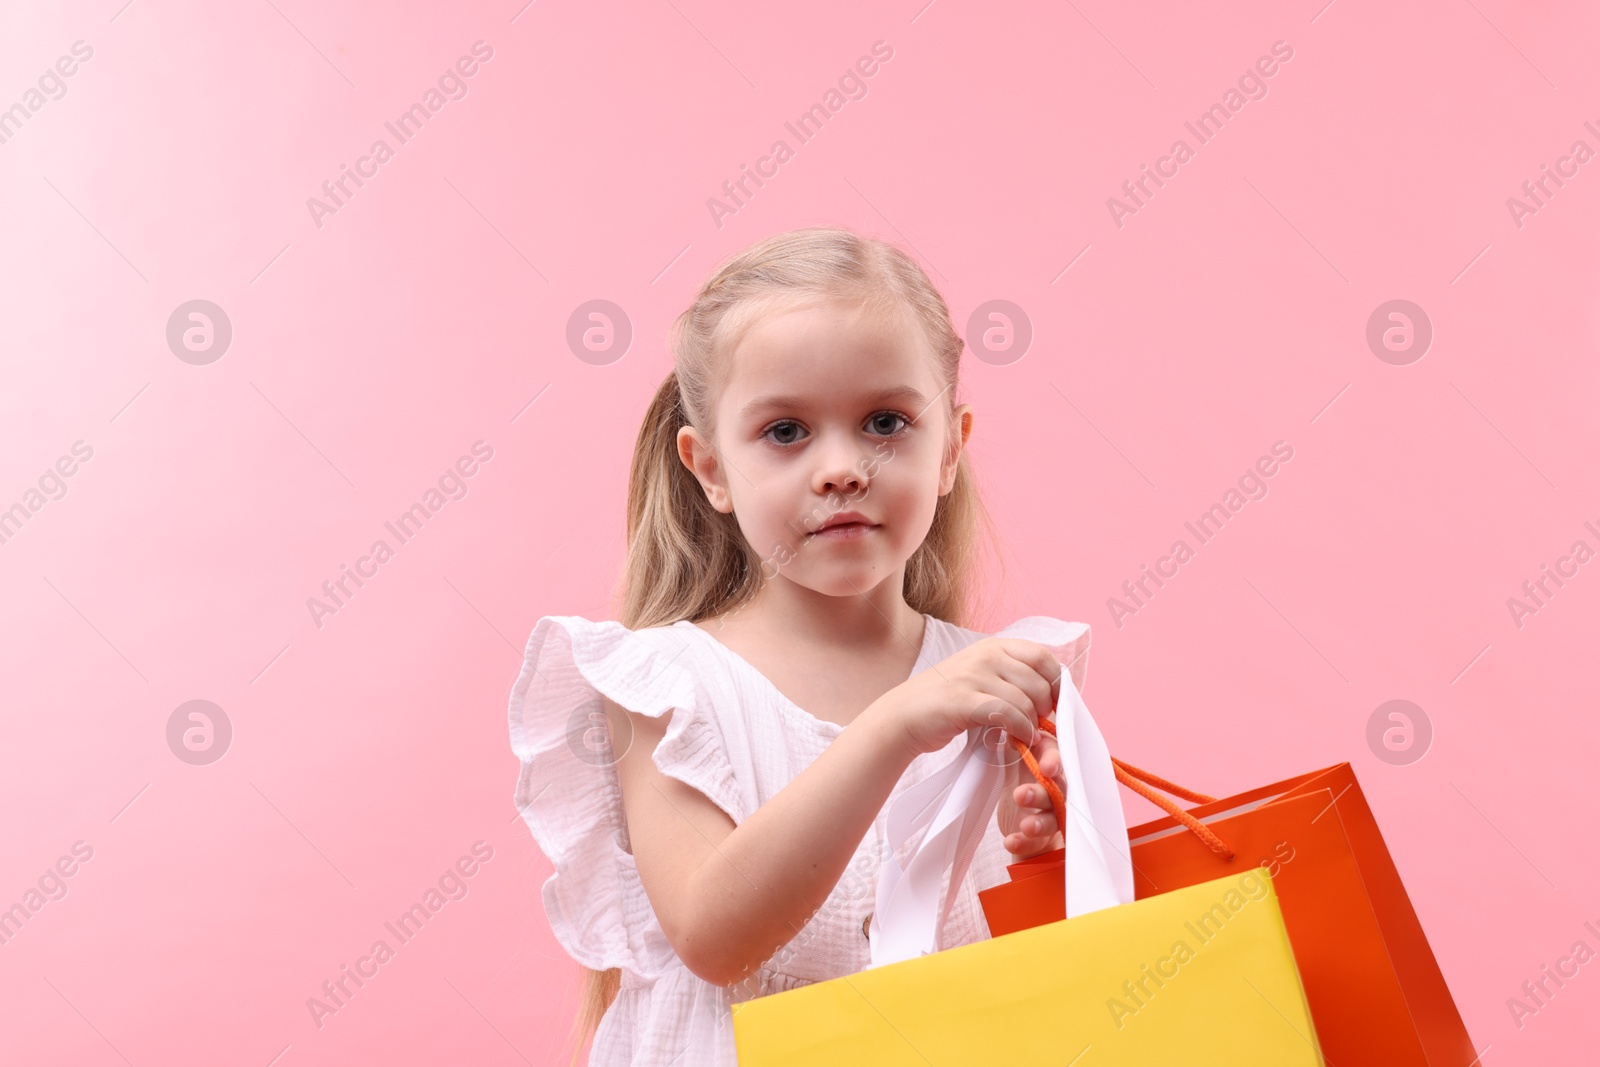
(844, 528)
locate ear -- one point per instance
(947, 470)
(701, 458)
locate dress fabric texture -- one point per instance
(736, 738)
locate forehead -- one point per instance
(826, 354)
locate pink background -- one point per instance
(371, 352)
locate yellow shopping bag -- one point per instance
(1198, 976)
(1201, 975)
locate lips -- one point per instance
(844, 523)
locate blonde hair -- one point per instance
(685, 559)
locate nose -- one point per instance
(841, 467)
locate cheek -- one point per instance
(763, 504)
(910, 494)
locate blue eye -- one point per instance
(784, 424)
(890, 415)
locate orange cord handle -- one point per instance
(1136, 780)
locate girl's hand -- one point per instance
(1026, 817)
(1003, 682)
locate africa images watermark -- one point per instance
(451, 485)
(51, 885)
(451, 885)
(52, 485)
(1252, 85)
(1537, 993)
(851, 86)
(1138, 993)
(1538, 192)
(1537, 592)
(1252, 485)
(452, 85)
(51, 86)
(1399, 732)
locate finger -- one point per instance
(1022, 678)
(1032, 843)
(1026, 789)
(1009, 690)
(1030, 801)
(1042, 825)
(1012, 719)
(1048, 753)
(1042, 664)
(1031, 798)
(1034, 797)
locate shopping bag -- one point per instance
(1201, 975)
(1374, 988)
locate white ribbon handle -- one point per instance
(955, 806)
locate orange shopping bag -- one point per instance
(1375, 990)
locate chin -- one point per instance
(843, 581)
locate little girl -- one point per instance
(709, 775)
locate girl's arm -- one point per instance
(728, 897)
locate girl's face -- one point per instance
(826, 411)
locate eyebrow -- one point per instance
(897, 392)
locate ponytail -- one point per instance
(686, 559)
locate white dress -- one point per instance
(734, 737)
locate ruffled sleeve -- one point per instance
(568, 791)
